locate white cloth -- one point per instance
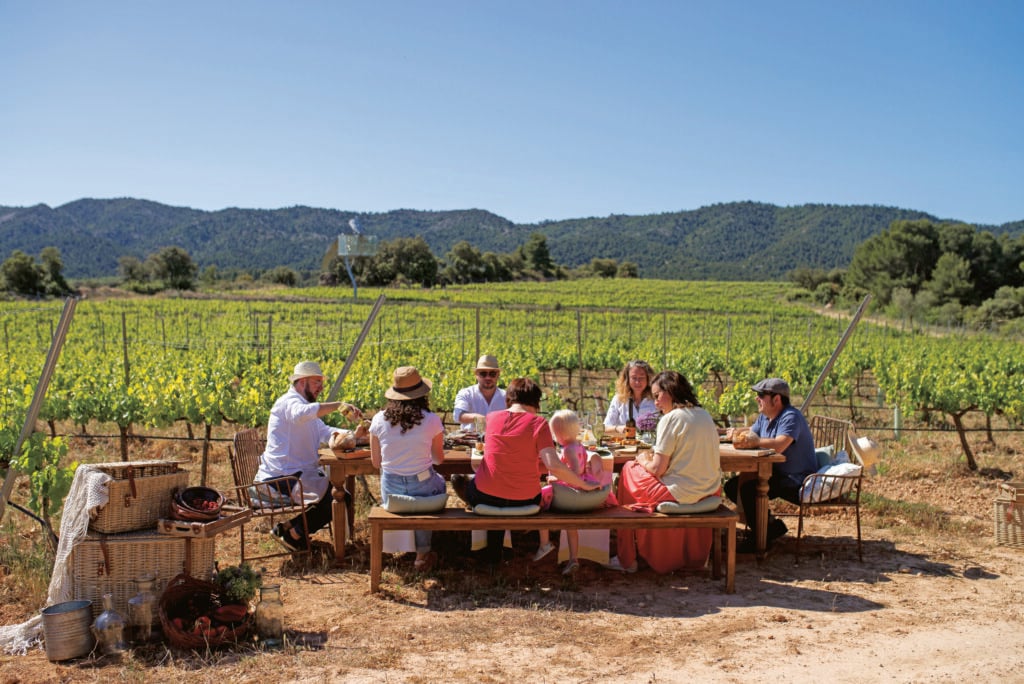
(819, 489)
(89, 491)
(618, 411)
(294, 434)
(406, 453)
(470, 400)
(593, 546)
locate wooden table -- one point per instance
(343, 472)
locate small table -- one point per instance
(343, 472)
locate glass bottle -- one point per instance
(108, 628)
(270, 616)
(141, 610)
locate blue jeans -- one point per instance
(412, 485)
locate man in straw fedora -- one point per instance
(476, 401)
(295, 432)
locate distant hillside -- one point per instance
(734, 241)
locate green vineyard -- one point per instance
(150, 363)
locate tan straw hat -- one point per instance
(406, 383)
(305, 369)
(868, 450)
(487, 362)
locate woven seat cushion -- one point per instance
(401, 503)
(484, 509)
(571, 500)
(703, 506)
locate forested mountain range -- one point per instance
(732, 241)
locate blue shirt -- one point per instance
(800, 459)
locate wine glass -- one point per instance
(598, 431)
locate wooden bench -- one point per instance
(602, 519)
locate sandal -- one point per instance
(426, 563)
(543, 551)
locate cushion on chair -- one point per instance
(825, 486)
(265, 495)
(707, 505)
(824, 455)
(485, 509)
(572, 500)
(402, 503)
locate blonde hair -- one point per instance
(622, 388)
(564, 423)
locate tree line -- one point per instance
(928, 272)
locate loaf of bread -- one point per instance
(744, 439)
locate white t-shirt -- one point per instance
(408, 453)
(618, 411)
(470, 400)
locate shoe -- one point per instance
(425, 564)
(615, 564)
(543, 551)
(284, 538)
(776, 529)
(570, 567)
(459, 482)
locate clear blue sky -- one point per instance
(533, 110)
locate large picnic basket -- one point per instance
(140, 494)
(110, 564)
(1009, 514)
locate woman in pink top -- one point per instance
(518, 449)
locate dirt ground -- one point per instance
(936, 602)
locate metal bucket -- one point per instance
(66, 630)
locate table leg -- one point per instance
(376, 557)
(764, 471)
(339, 515)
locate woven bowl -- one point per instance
(197, 504)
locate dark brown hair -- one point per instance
(406, 412)
(523, 391)
(677, 387)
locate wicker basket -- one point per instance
(140, 494)
(186, 597)
(109, 564)
(1009, 514)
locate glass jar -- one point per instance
(270, 616)
(141, 611)
(108, 628)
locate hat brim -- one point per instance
(414, 392)
(293, 378)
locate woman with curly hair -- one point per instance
(632, 399)
(406, 442)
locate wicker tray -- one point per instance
(229, 518)
(1009, 523)
(140, 494)
(109, 564)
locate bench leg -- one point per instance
(376, 556)
(716, 553)
(730, 558)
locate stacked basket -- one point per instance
(123, 543)
(1009, 511)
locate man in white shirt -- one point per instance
(476, 401)
(295, 432)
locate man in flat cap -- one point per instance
(295, 432)
(783, 428)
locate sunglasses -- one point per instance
(487, 374)
(762, 395)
